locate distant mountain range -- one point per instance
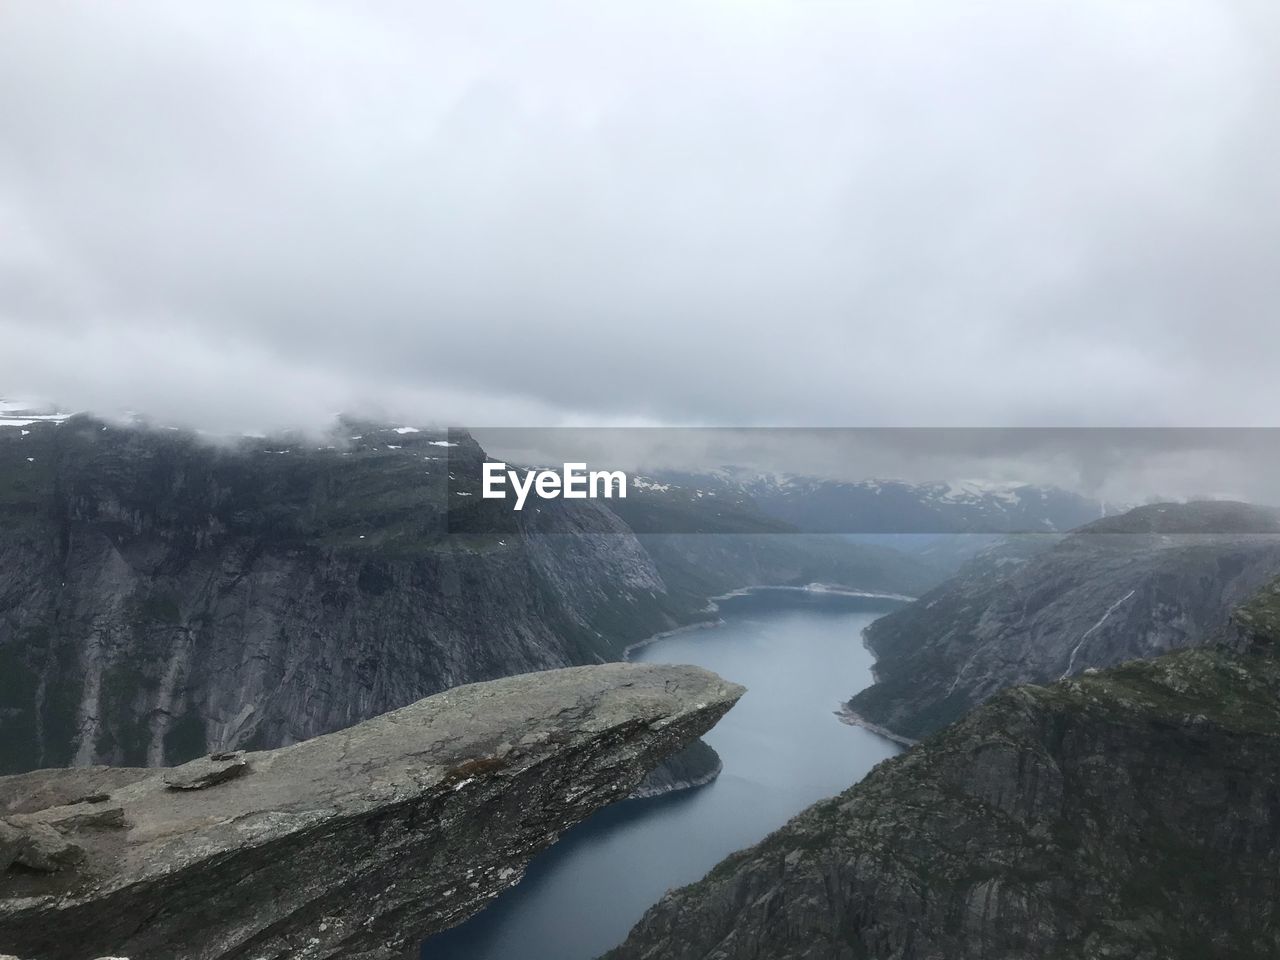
(21, 413)
(893, 507)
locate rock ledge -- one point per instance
(351, 845)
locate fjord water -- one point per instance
(799, 654)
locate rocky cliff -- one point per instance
(352, 845)
(1033, 610)
(1128, 813)
(162, 596)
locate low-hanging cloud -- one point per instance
(244, 215)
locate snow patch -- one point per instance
(26, 419)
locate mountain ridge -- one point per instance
(1066, 821)
(162, 596)
(882, 506)
(1034, 610)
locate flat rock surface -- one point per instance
(353, 844)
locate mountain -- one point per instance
(1035, 609)
(352, 845)
(1126, 813)
(21, 414)
(163, 596)
(895, 507)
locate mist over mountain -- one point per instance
(888, 507)
(924, 355)
(162, 596)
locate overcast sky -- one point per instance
(239, 215)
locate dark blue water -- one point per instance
(799, 655)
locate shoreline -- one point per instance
(667, 634)
(831, 588)
(854, 719)
(843, 714)
(677, 786)
(713, 607)
(875, 674)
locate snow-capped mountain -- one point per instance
(22, 413)
(876, 506)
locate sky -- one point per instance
(247, 215)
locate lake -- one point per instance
(800, 655)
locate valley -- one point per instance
(782, 749)
(1131, 812)
(164, 597)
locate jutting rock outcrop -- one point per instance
(354, 844)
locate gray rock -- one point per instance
(694, 766)
(12, 843)
(207, 771)
(358, 843)
(243, 599)
(1156, 579)
(36, 846)
(1131, 813)
(166, 598)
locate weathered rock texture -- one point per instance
(694, 766)
(1159, 578)
(351, 845)
(1130, 813)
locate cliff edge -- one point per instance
(354, 844)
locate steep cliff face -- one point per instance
(353, 845)
(162, 597)
(1130, 813)
(1034, 610)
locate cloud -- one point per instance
(246, 215)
